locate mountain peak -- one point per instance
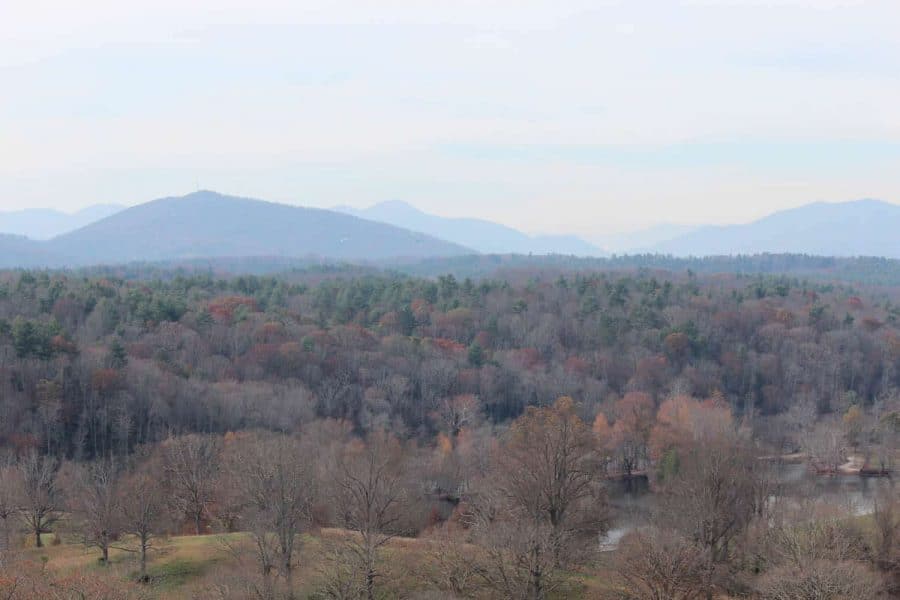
(201, 195)
(208, 224)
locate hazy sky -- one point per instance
(549, 116)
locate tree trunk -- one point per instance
(537, 588)
(289, 578)
(370, 549)
(709, 572)
(557, 550)
(4, 536)
(198, 517)
(537, 584)
(37, 538)
(370, 583)
(143, 558)
(268, 585)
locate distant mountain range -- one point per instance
(484, 236)
(208, 225)
(46, 223)
(857, 228)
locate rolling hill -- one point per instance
(484, 236)
(17, 251)
(857, 228)
(207, 224)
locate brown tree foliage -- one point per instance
(683, 421)
(719, 489)
(630, 435)
(542, 506)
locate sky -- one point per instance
(550, 116)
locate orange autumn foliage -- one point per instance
(635, 413)
(225, 307)
(601, 428)
(444, 445)
(683, 419)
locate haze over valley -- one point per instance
(181, 228)
(541, 300)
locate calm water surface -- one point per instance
(632, 505)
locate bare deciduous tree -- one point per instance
(825, 445)
(278, 490)
(454, 413)
(520, 560)
(886, 518)
(630, 435)
(9, 482)
(370, 498)
(550, 467)
(543, 505)
(720, 489)
(191, 464)
(40, 497)
(453, 563)
(143, 509)
(821, 580)
(800, 543)
(659, 564)
(341, 579)
(94, 501)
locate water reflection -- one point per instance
(633, 503)
(851, 491)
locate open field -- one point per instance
(206, 566)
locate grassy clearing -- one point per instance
(176, 561)
(186, 567)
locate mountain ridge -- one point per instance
(47, 223)
(208, 224)
(480, 234)
(864, 227)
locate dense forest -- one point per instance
(866, 270)
(486, 417)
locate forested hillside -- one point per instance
(447, 388)
(381, 349)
